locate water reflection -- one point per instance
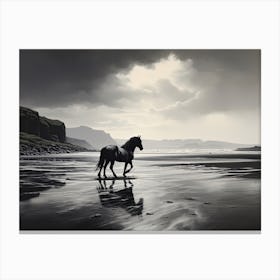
(124, 198)
(33, 182)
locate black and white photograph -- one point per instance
(140, 140)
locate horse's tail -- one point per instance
(101, 160)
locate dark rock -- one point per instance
(35, 145)
(44, 129)
(29, 121)
(190, 198)
(169, 201)
(53, 129)
(253, 148)
(32, 123)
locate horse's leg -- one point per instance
(101, 165)
(104, 184)
(113, 183)
(105, 166)
(101, 161)
(124, 170)
(100, 184)
(111, 167)
(131, 166)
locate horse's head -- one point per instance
(137, 142)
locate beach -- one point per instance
(164, 192)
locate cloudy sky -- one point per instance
(159, 94)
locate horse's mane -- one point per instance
(127, 144)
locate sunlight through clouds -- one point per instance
(147, 77)
(161, 84)
(156, 93)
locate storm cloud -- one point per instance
(57, 78)
(155, 91)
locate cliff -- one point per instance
(32, 123)
(40, 135)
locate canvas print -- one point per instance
(140, 140)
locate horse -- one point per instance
(112, 153)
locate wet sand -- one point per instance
(163, 192)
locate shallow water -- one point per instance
(163, 192)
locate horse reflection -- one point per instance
(123, 198)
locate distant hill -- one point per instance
(96, 138)
(79, 142)
(254, 149)
(186, 144)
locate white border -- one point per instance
(157, 24)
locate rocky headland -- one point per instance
(41, 135)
